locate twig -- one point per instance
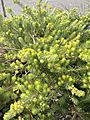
(33, 38)
(74, 117)
(8, 48)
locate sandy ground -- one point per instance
(82, 5)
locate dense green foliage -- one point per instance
(45, 65)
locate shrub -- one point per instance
(45, 65)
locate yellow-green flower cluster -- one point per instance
(15, 109)
(76, 92)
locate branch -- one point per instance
(3, 7)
